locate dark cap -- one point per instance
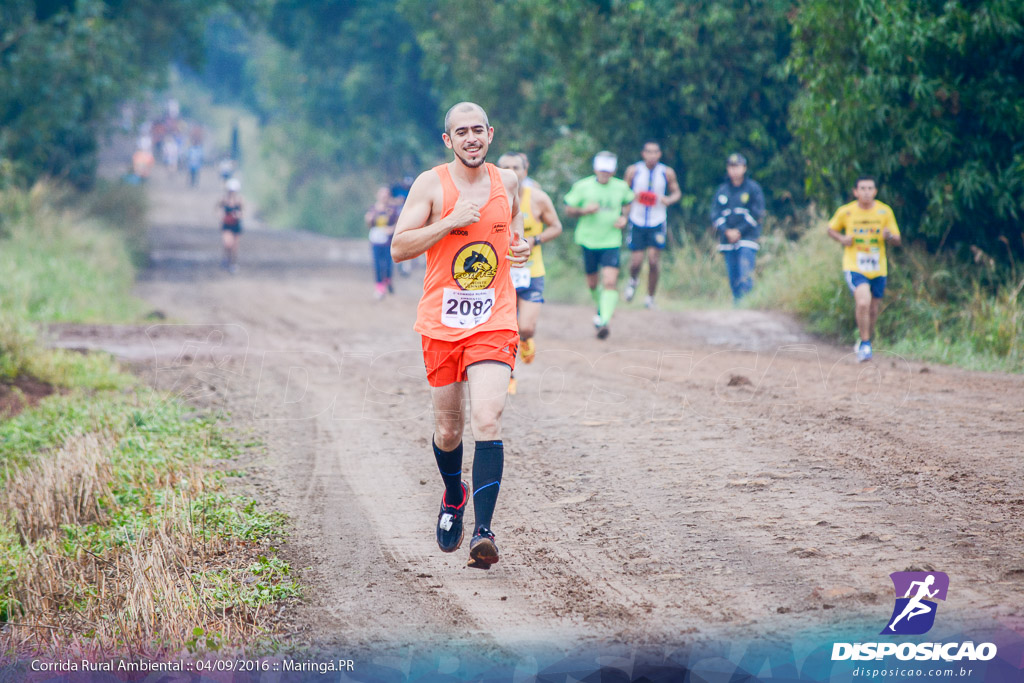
(736, 160)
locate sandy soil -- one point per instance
(698, 475)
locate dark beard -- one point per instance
(467, 164)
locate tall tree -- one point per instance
(360, 80)
(66, 64)
(928, 95)
(701, 77)
(495, 58)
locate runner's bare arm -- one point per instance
(548, 216)
(623, 220)
(520, 246)
(672, 185)
(891, 237)
(412, 234)
(630, 173)
(845, 240)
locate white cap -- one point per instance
(233, 185)
(605, 162)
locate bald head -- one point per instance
(460, 108)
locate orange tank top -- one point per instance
(468, 287)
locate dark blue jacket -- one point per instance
(738, 207)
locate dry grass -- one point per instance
(147, 592)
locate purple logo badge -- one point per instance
(916, 595)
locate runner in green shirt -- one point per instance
(601, 202)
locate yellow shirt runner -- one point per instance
(867, 253)
(532, 227)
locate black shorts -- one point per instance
(596, 259)
(235, 228)
(644, 238)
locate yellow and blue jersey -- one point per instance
(531, 228)
(867, 253)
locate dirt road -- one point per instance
(696, 476)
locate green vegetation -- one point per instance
(61, 259)
(936, 308)
(116, 530)
(930, 97)
(91, 55)
(703, 78)
(925, 95)
(64, 261)
(98, 485)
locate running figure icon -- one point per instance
(915, 607)
(917, 595)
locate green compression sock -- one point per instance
(609, 297)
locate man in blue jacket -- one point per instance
(736, 213)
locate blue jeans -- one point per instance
(739, 263)
(382, 262)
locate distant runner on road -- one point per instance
(195, 164)
(540, 224)
(231, 205)
(380, 219)
(226, 168)
(465, 216)
(656, 188)
(142, 163)
(864, 227)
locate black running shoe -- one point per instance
(602, 332)
(449, 523)
(483, 551)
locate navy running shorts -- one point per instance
(534, 292)
(641, 239)
(596, 259)
(877, 284)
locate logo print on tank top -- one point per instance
(475, 266)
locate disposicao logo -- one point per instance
(914, 612)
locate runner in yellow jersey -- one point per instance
(863, 227)
(541, 224)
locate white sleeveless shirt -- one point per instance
(649, 186)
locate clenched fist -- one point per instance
(464, 213)
(519, 252)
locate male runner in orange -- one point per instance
(465, 216)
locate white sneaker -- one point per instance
(864, 352)
(597, 321)
(630, 289)
(649, 303)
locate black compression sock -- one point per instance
(488, 462)
(449, 464)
